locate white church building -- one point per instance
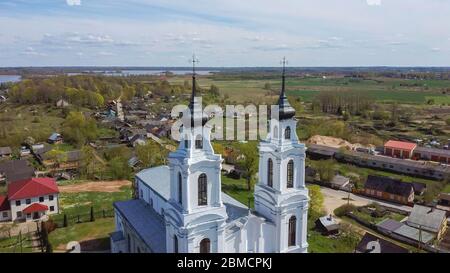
(181, 207)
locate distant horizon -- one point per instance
(209, 67)
(235, 33)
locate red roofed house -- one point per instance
(399, 149)
(5, 211)
(32, 198)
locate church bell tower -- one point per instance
(280, 194)
(196, 216)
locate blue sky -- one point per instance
(225, 32)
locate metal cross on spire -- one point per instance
(284, 62)
(194, 61)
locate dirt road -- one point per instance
(335, 198)
(97, 186)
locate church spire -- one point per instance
(195, 109)
(194, 61)
(285, 109)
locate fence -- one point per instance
(62, 220)
(19, 245)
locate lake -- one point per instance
(143, 72)
(9, 78)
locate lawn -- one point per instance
(74, 204)
(237, 188)
(12, 245)
(447, 189)
(91, 235)
(375, 220)
(344, 243)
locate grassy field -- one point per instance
(38, 121)
(91, 235)
(381, 89)
(11, 245)
(447, 189)
(344, 243)
(74, 204)
(375, 220)
(237, 188)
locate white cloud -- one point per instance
(435, 49)
(73, 2)
(30, 51)
(373, 2)
(105, 53)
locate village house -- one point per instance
(70, 161)
(389, 189)
(55, 138)
(428, 219)
(419, 188)
(5, 210)
(340, 182)
(13, 170)
(30, 199)
(404, 233)
(319, 152)
(24, 152)
(373, 244)
(5, 152)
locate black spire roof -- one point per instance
(286, 111)
(196, 112)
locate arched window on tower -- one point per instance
(290, 174)
(175, 244)
(270, 173)
(186, 143)
(180, 189)
(202, 190)
(287, 133)
(292, 231)
(275, 131)
(205, 246)
(198, 142)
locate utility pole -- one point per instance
(348, 198)
(20, 240)
(420, 238)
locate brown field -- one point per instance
(97, 186)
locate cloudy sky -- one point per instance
(225, 32)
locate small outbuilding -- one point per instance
(444, 199)
(55, 138)
(340, 182)
(327, 225)
(5, 152)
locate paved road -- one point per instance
(335, 198)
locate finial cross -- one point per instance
(194, 62)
